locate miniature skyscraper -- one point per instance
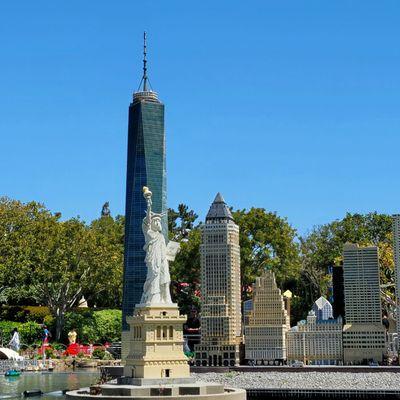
(363, 333)
(220, 286)
(268, 322)
(145, 166)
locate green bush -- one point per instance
(99, 353)
(37, 313)
(108, 325)
(94, 326)
(49, 353)
(30, 332)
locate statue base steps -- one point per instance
(194, 391)
(125, 380)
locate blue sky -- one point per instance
(288, 105)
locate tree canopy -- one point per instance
(267, 241)
(53, 262)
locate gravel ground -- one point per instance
(304, 380)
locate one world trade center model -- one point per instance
(145, 167)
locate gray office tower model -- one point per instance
(145, 167)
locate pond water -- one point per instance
(50, 383)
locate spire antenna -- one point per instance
(145, 91)
(144, 63)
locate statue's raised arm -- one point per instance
(147, 195)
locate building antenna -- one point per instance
(144, 63)
(145, 82)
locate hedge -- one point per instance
(29, 332)
(92, 326)
(24, 313)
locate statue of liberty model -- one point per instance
(156, 288)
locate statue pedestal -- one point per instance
(156, 345)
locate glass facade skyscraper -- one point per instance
(145, 167)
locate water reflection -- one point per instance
(48, 382)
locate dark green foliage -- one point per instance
(49, 353)
(99, 353)
(94, 326)
(109, 240)
(24, 313)
(185, 273)
(181, 222)
(185, 270)
(266, 241)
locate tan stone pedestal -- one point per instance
(156, 343)
(156, 366)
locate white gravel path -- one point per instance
(304, 380)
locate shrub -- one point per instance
(37, 313)
(58, 346)
(94, 326)
(6, 328)
(108, 325)
(99, 353)
(24, 313)
(30, 332)
(49, 353)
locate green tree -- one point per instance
(185, 273)
(181, 222)
(323, 247)
(55, 262)
(109, 256)
(20, 225)
(266, 241)
(185, 270)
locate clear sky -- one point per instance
(288, 105)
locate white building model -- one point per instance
(316, 341)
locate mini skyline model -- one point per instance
(146, 166)
(220, 286)
(364, 336)
(268, 323)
